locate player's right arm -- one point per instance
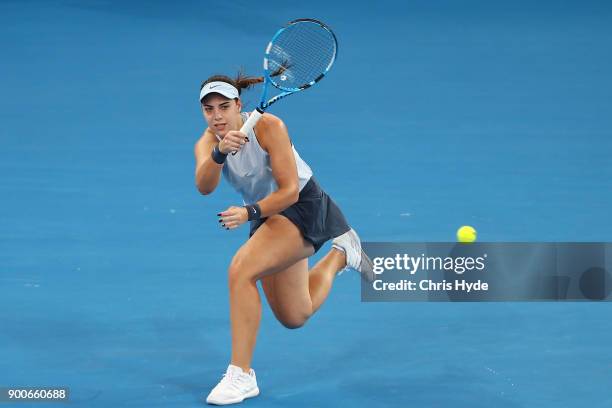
(207, 171)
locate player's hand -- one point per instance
(233, 217)
(232, 142)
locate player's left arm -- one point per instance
(275, 140)
(273, 137)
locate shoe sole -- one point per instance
(250, 394)
(366, 267)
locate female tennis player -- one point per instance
(290, 216)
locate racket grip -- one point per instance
(251, 121)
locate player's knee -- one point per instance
(293, 324)
(236, 271)
(293, 320)
(239, 271)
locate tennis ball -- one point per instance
(466, 234)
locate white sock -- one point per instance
(339, 248)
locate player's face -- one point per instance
(221, 113)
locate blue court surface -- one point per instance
(437, 114)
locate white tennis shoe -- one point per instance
(234, 387)
(356, 259)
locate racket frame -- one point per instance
(268, 81)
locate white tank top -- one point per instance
(249, 171)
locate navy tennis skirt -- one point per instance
(315, 214)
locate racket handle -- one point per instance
(251, 121)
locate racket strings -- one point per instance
(300, 54)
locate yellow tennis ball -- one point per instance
(466, 234)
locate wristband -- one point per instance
(254, 211)
(217, 156)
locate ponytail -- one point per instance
(241, 81)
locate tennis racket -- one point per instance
(298, 56)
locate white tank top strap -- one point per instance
(250, 173)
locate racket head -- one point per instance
(300, 54)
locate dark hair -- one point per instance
(241, 81)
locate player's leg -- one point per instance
(289, 292)
(322, 276)
(294, 294)
(276, 245)
(288, 295)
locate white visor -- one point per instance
(223, 88)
